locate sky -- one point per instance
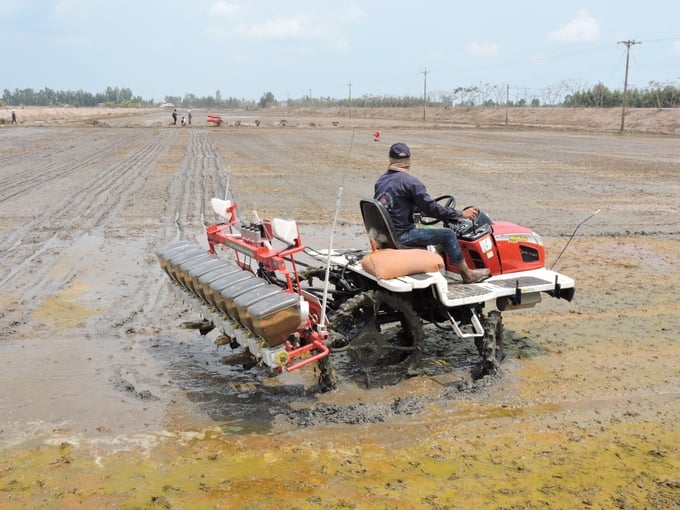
(335, 49)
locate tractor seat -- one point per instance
(379, 225)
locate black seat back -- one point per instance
(378, 224)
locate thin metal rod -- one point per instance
(326, 280)
(572, 237)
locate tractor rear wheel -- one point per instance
(378, 328)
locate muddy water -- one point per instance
(572, 422)
(107, 403)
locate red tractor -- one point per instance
(215, 119)
(284, 306)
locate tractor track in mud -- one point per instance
(87, 205)
(94, 356)
(201, 171)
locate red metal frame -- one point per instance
(272, 259)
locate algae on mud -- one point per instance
(113, 405)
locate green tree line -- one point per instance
(656, 95)
(48, 97)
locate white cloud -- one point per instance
(583, 28)
(299, 27)
(353, 12)
(676, 48)
(482, 49)
(222, 8)
(291, 28)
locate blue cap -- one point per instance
(400, 150)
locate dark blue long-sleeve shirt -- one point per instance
(401, 192)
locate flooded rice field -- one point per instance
(107, 402)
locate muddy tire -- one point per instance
(490, 347)
(378, 328)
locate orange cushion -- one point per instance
(389, 263)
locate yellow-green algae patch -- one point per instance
(492, 462)
(64, 310)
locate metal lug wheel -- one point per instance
(378, 328)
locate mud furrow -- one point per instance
(24, 182)
(49, 212)
(192, 174)
(129, 175)
(215, 174)
(107, 192)
(201, 175)
(73, 218)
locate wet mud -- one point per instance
(107, 402)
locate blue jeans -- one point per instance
(425, 236)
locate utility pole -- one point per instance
(349, 84)
(628, 44)
(507, 102)
(424, 91)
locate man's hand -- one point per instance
(470, 213)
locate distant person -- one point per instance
(183, 122)
(14, 117)
(401, 193)
(189, 117)
(174, 117)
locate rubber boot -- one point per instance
(472, 275)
